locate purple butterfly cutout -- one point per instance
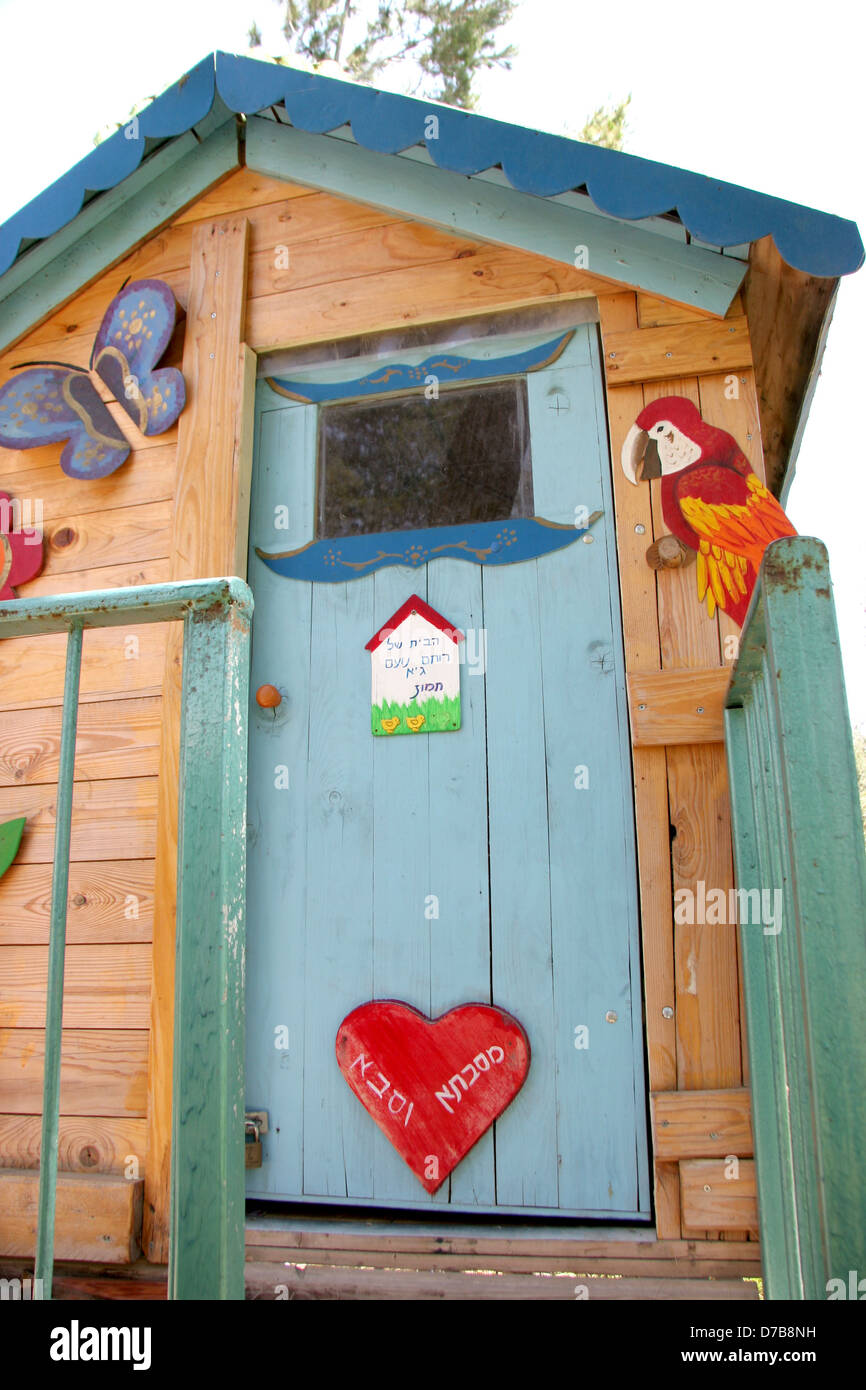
(53, 402)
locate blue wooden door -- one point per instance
(492, 864)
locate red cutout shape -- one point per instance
(433, 1086)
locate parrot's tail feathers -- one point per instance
(724, 581)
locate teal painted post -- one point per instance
(797, 829)
(206, 1259)
(44, 1268)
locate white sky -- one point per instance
(767, 95)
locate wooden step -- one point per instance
(267, 1281)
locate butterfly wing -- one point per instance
(47, 405)
(135, 333)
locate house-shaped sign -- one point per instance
(416, 672)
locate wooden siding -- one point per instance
(176, 509)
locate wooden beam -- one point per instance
(207, 512)
(87, 1143)
(109, 901)
(105, 986)
(677, 350)
(618, 314)
(113, 741)
(31, 673)
(97, 1216)
(489, 278)
(112, 818)
(788, 313)
(701, 1124)
(669, 707)
(292, 1236)
(317, 1281)
(103, 1071)
(619, 252)
(718, 1194)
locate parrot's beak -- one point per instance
(633, 452)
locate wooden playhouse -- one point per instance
(415, 370)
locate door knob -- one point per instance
(268, 697)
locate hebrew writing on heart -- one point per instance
(433, 1086)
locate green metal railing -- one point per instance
(206, 1251)
(797, 830)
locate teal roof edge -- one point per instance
(620, 185)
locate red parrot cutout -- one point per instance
(712, 500)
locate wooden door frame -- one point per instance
(219, 364)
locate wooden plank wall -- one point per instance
(692, 983)
(317, 267)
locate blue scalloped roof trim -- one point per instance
(173, 113)
(623, 185)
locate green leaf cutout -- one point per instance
(10, 839)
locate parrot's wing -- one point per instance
(734, 535)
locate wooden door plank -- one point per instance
(102, 1072)
(526, 1140)
(109, 819)
(104, 986)
(591, 843)
(671, 707)
(459, 937)
(283, 478)
(113, 740)
(97, 1216)
(403, 827)
(344, 1152)
(109, 900)
(87, 1143)
(203, 543)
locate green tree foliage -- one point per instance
(449, 41)
(606, 126)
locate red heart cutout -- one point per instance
(448, 1097)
